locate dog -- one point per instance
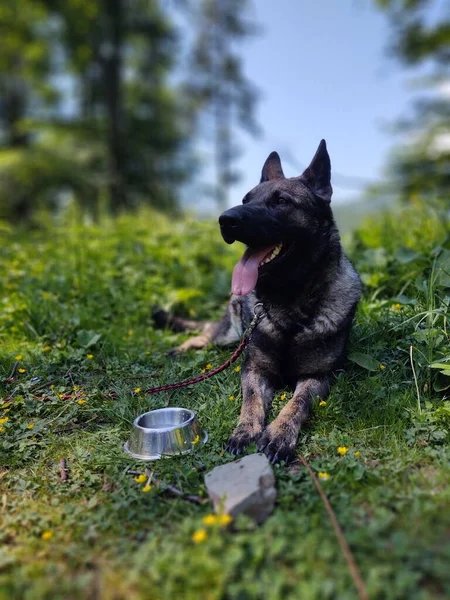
(295, 266)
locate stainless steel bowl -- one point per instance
(164, 432)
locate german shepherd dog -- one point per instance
(295, 266)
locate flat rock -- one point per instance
(245, 486)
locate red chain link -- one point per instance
(186, 382)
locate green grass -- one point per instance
(70, 291)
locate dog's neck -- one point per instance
(304, 278)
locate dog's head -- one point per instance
(279, 219)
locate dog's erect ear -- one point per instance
(272, 168)
(318, 175)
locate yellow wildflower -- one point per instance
(30, 426)
(203, 371)
(46, 535)
(141, 478)
(342, 450)
(81, 401)
(322, 403)
(382, 367)
(137, 390)
(199, 536)
(46, 348)
(210, 520)
(60, 395)
(130, 332)
(357, 453)
(208, 367)
(2, 429)
(22, 370)
(18, 357)
(230, 397)
(4, 420)
(397, 306)
(147, 352)
(76, 388)
(283, 397)
(323, 475)
(237, 369)
(196, 439)
(89, 356)
(224, 519)
(147, 488)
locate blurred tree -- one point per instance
(421, 40)
(122, 53)
(92, 108)
(118, 129)
(220, 95)
(23, 64)
(24, 87)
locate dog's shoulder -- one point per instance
(345, 286)
(337, 304)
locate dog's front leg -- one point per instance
(280, 437)
(257, 393)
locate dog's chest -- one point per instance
(277, 336)
(291, 344)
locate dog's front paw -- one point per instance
(276, 445)
(242, 436)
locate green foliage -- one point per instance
(87, 113)
(76, 314)
(365, 361)
(418, 36)
(421, 39)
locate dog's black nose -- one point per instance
(229, 224)
(228, 219)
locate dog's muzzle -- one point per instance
(251, 225)
(230, 224)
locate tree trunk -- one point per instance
(113, 87)
(15, 108)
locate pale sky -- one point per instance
(323, 72)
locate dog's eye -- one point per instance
(283, 200)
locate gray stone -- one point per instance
(245, 486)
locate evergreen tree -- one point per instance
(122, 53)
(123, 135)
(421, 39)
(24, 90)
(220, 94)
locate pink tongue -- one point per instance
(245, 273)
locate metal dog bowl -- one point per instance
(164, 432)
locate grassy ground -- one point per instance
(76, 315)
